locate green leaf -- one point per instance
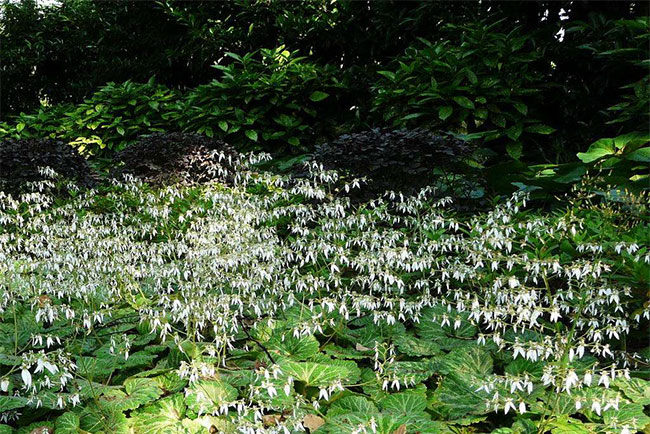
(318, 96)
(472, 362)
(567, 425)
(471, 76)
(404, 402)
(223, 125)
(388, 74)
(170, 382)
(120, 131)
(103, 417)
(540, 129)
(499, 120)
(457, 394)
(642, 155)
(207, 396)
(430, 327)
(139, 391)
(142, 390)
(11, 403)
(163, 416)
(295, 348)
(251, 134)
(632, 415)
(315, 374)
(414, 371)
(445, 112)
(463, 101)
(635, 389)
(514, 131)
(597, 150)
(352, 404)
(20, 127)
(521, 108)
(68, 423)
(514, 149)
(412, 116)
(413, 346)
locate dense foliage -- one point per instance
(259, 216)
(402, 160)
(21, 162)
(274, 305)
(168, 158)
(540, 80)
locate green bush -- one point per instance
(486, 83)
(272, 99)
(110, 120)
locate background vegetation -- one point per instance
(218, 252)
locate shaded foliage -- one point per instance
(404, 160)
(164, 158)
(22, 161)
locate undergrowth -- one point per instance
(275, 306)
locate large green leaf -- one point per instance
(413, 346)
(597, 150)
(404, 403)
(207, 396)
(413, 371)
(316, 374)
(163, 416)
(431, 326)
(632, 415)
(142, 390)
(68, 423)
(103, 416)
(635, 389)
(139, 391)
(11, 403)
(471, 362)
(567, 425)
(352, 404)
(457, 395)
(170, 382)
(301, 348)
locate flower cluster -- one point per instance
(270, 298)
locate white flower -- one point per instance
(27, 378)
(595, 406)
(522, 407)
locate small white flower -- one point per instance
(27, 378)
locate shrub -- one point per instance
(480, 82)
(117, 113)
(106, 122)
(272, 99)
(22, 161)
(404, 160)
(600, 81)
(172, 157)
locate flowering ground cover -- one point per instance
(276, 305)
